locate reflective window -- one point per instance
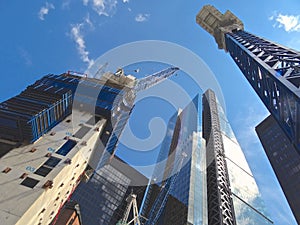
(245, 214)
(66, 148)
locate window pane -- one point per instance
(43, 171)
(66, 148)
(52, 161)
(29, 182)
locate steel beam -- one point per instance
(274, 73)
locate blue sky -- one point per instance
(41, 37)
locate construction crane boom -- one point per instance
(125, 103)
(151, 80)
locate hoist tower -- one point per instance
(274, 73)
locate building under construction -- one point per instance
(58, 132)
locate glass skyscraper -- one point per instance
(102, 199)
(205, 171)
(181, 170)
(236, 186)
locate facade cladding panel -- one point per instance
(102, 199)
(69, 215)
(188, 199)
(284, 159)
(248, 205)
(163, 155)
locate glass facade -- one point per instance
(197, 210)
(248, 205)
(102, 199)
(101, 196)
(183, 147)
(187, 200)
(158, 176)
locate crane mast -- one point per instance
(272, 70)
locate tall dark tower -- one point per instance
(274, 73)
(220, 204)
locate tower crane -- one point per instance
(271, 69)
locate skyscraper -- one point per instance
(49, 132)
(210, 183)
(233, 196)
(178, 183)
(102, 199)
(284, 159)
(46, 156)
(273, 72)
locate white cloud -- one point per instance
(103, 7)
(25, 56)
(125, 1)
(45, 10)
(81, 48)
(288, 22)
(98, 3)
(88, 21)
(142, 17)
(99, 7)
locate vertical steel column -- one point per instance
(219, 196)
